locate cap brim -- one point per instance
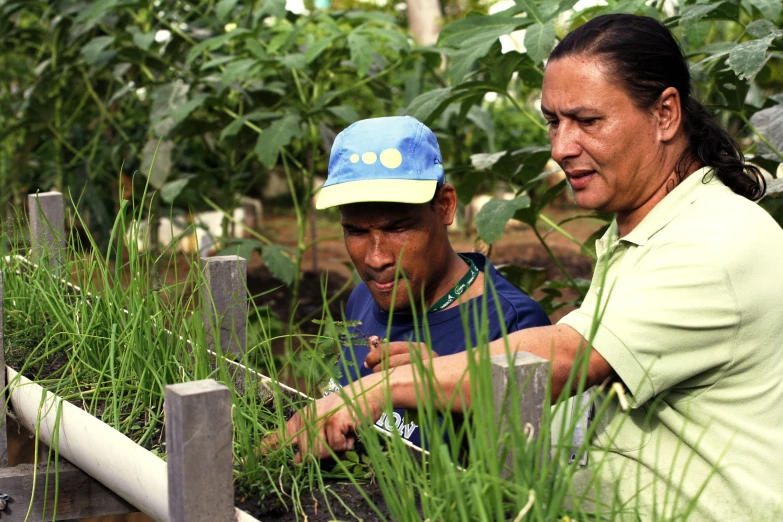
(412, 191)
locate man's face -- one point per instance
(605, 144)
(378, 236)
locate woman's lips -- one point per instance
(580, 180)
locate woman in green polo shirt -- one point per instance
(687, 281)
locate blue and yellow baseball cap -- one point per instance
(393, 159)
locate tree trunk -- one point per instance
(425, 20)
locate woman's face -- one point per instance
(608, 148)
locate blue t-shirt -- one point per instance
(446, 329)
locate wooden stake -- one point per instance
(528, 376)
(224, 302)
(47, 228)
(199, 452)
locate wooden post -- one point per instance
(224, 302)
(199, 452)
(528, 375)
(47, 228)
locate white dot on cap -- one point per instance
(391, 158)
(354, 158)
(369, 158)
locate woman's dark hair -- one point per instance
(645, 56)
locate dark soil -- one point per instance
(314, 507)
(270, 292)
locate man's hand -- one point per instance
(389, 355)
(326, 423)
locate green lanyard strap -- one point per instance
(459, 289)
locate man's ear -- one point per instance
(668, 113)
(446, 203)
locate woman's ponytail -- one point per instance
(712, 146)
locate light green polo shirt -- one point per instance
(691, 319)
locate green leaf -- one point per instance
(165, 99)
(318, 47)
(474, 36)
(769, 122)
(279, 263)
(492, 218)
(697, 33)
(528, 279)
(184, 110)
(93, 51)
(692, 14)
(733, 89)
(141, 40)
(462, 62)
(242, 247)
(429, 105)
(539, 41)
(351, 456)
(771, 9)
(486, 160)
(224, 9)
(172, 189)
(747, 58)
(294, 62)
(479, 30)
(156, 166)
(235, 126)
(95, 10)
(216, 62)
(238, 70)
(214, 43)
(274, 8)
(277, 136)
(345, 112)
(122, 92)
(762, 28)
(361, 52)
(532, 9)
(467, 185)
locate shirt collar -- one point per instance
(663, 213)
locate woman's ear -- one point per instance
(668, 114)
(446, 203)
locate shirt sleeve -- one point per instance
(669, 321)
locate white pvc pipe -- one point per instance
(96, 448)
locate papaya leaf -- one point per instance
(141, 40)
(157, 166)
(539, 41)
(279, 262)
(277, 136)
(429, 105)
(224, 8)
(492, 218)
(345, 112)
(361, 52)
(184, 110)
(747, 58)
(172, 189)
(94, 52)
(771, 9)
(769, 123)
(761, 28)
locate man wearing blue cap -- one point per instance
(386, 175)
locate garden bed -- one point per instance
(334, 497)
